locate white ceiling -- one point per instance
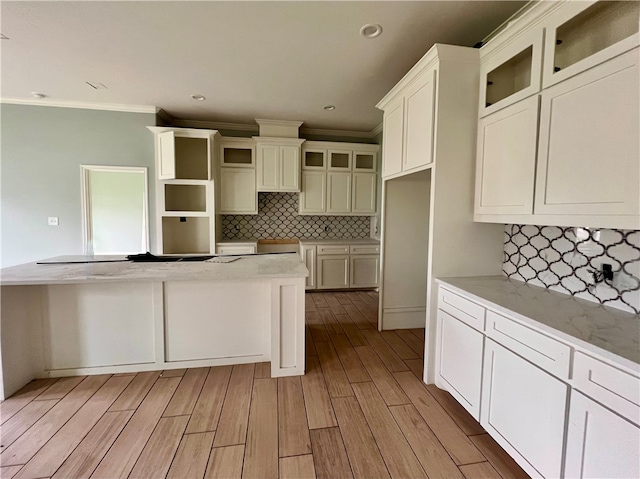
(276, 60)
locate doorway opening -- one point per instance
(114, 209)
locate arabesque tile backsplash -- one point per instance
(564, 260)
(278, 218)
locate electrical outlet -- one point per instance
(327, 229)
(52, 221)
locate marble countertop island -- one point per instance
(245, 267)
(609, 332)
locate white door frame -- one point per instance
(85, 170)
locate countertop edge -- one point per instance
(561, 335)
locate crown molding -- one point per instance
(376, 131)
(173, 121)
(81, 105)
(214, 125)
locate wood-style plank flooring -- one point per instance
(360, 411)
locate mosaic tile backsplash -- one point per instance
(565, 259)
(278, 218)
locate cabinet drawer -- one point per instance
(364, 249)
(333, 249)
(612, 387)
(236, 250)
(543, 351)
(461, 308)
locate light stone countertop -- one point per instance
(606, 331)
(247, 267)
(340, 241)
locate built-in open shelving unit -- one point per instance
(186, 235)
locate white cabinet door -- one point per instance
(338, 192)
(238, 191)
(363, 198)
(364, 271)
(313, 195)
(589, 155)
(420, 112)
(392, 142)
(235, 250)
(459, 352)
(166, 155)
(333, 271)
(309, 259)
(599, 442)
(289, 168)
(506, 159)
(268, 167)
(523, 408)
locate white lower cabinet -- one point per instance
(333, 271)
(460, 361)
(364, 271)
(342, 265)
(600, 443)
(308, 253)
(523, 408)
(556, 409)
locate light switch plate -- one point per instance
(53, 221)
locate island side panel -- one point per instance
(97, 325)
(222, 322)
(20, 337)
(287, 327)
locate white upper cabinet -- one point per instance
(185, 203)
(238, 152)
(278, 164)
(409, 126)
(393, 138)
(238, 191)
(183, 153)
(585, 138)
(511, 74)
(338, 192)
(583, 34)
(506, 159)
(419, 123)
(313, 197)
(166, 155)
(589, 160)
(363, 197)
(338, 178)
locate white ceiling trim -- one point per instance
(82, 105)
(214, 125)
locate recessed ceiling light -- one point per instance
(37, 95)
(198, 97)
(371, 30)
(329, 107)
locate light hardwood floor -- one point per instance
(360, 411)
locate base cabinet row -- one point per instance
(523, 389)
(341, 271)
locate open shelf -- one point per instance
(185, 197)
(598, 27)
(314, 159)
(510, 77)
(339, 160)
(365, 161)
(192, 158)
(237, 156)
(185, 235)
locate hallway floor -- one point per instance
(361, 410)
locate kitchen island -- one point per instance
(118, 317)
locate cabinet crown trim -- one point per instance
(437, 53)
(268, 140)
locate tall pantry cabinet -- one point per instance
(430, 121)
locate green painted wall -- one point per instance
(41, 151)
